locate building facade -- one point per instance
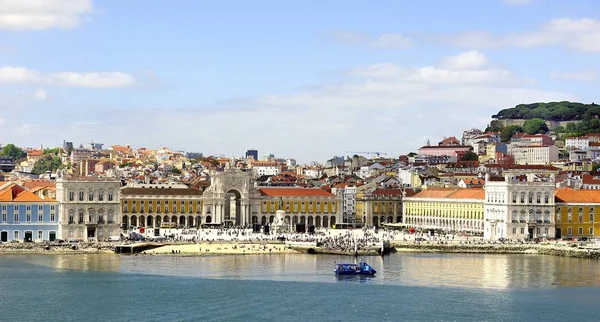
(160, 205)
(379, 206)
(576, 213)
(447, 209)
(520, 205)
(90, 209)
(310, 206)
(25, 216)
(536, 155)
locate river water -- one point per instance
(293, 287)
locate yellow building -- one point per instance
(374, 207)
(576, 213)
(454, 209)
(153, 205)
(311, 206)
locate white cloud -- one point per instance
(577, 34)
(583, 76)
(517, 2)
(43, 14)
(40, 94)
(21, 75)
(385, 41)
(464, 68)
(383, 107)
(472, 59)
(391, 41)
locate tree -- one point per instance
(470, 156)
(535, 126)
(175, 170)
(412, 154)
(507, 133)
(10, 150)
(54, 151)
(47, 163)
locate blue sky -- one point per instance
(300, 79)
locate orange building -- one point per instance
(576, 213)
(311, 206)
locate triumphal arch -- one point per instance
(231, 197)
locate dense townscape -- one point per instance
(516, 180)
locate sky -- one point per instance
(299, 79)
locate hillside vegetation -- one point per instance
(585, 117)
(552, 111)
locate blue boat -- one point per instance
(361, 268)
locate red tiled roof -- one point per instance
(452, 193)
(568, 195)
(388, 192)
(294, 192)
(590, 179)
(16, 193)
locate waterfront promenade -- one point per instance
(326, 241)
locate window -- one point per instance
(100, 195)
(81, 195)
(51, 207)
(514, 197)
(40, 217)
(71, 217)
(81, 216)
(546, 198)
(530, 197)
(16, 208)
(591, 217)
(28, 208)
(522, 230)
(4, 207)
(110, 196)
(580, 231)
(580, 217)
(40, 234)
(71, 195)
(514, 230)
(91, 195)
(52, 217)
(4, 218)
(591, 231)
(16, 235)
(569, 231)
(16, 218)
(40, 208)
(538, 197)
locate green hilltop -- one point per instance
(563, 118)
(552, 111)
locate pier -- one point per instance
(136, 248)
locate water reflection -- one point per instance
(79, 262)
(429, 270)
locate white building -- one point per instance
(534, 154)
(521, 205)
(265, 168)
(579, 143)
(290, 163)
(347, 193)
(89, 209)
